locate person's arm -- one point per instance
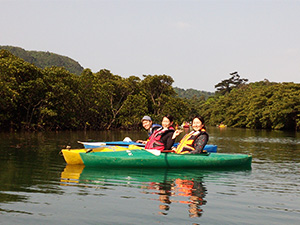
(176, 133)
(141, 141)
(199, 144)
(167, 140)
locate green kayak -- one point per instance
(145, 158)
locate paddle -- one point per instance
(91, 143)
(153, 151)
(113, 143)
(99, 149)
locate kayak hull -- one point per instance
(142, 158)
(72, 156)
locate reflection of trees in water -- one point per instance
(192, 191)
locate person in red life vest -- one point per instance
(149, 126)
(161, 139)
(193, 142)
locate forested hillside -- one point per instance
(53, 98)
(45, 59)
(192, 93)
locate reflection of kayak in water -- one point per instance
(170, 188)
(71, 174)
(82, 174)
(163, 186)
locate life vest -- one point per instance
(153, 128)
(187, 142)
(155, 139)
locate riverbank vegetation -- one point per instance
(259, 105)
(52, 98)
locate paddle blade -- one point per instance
(154, 151)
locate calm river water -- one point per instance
(37, 187)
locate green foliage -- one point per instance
(259, 105)
(134, 107)
(178, 108)
(225, 86)
(192, 93)
(157, 88)
(21, 92)
(45, 59)
(54, 98)
(59, 105)
(92, 101)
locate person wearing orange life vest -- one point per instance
(161, 139)
(193, 142)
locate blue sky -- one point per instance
(198, 43)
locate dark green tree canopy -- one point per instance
(259, 105)
(53, 98)
(45, 59)
(191, 93)
(226, 86)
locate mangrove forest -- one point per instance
(53, 98)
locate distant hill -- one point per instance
(190, 93)
(45, 59)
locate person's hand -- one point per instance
(141, 141)
(176, 133)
